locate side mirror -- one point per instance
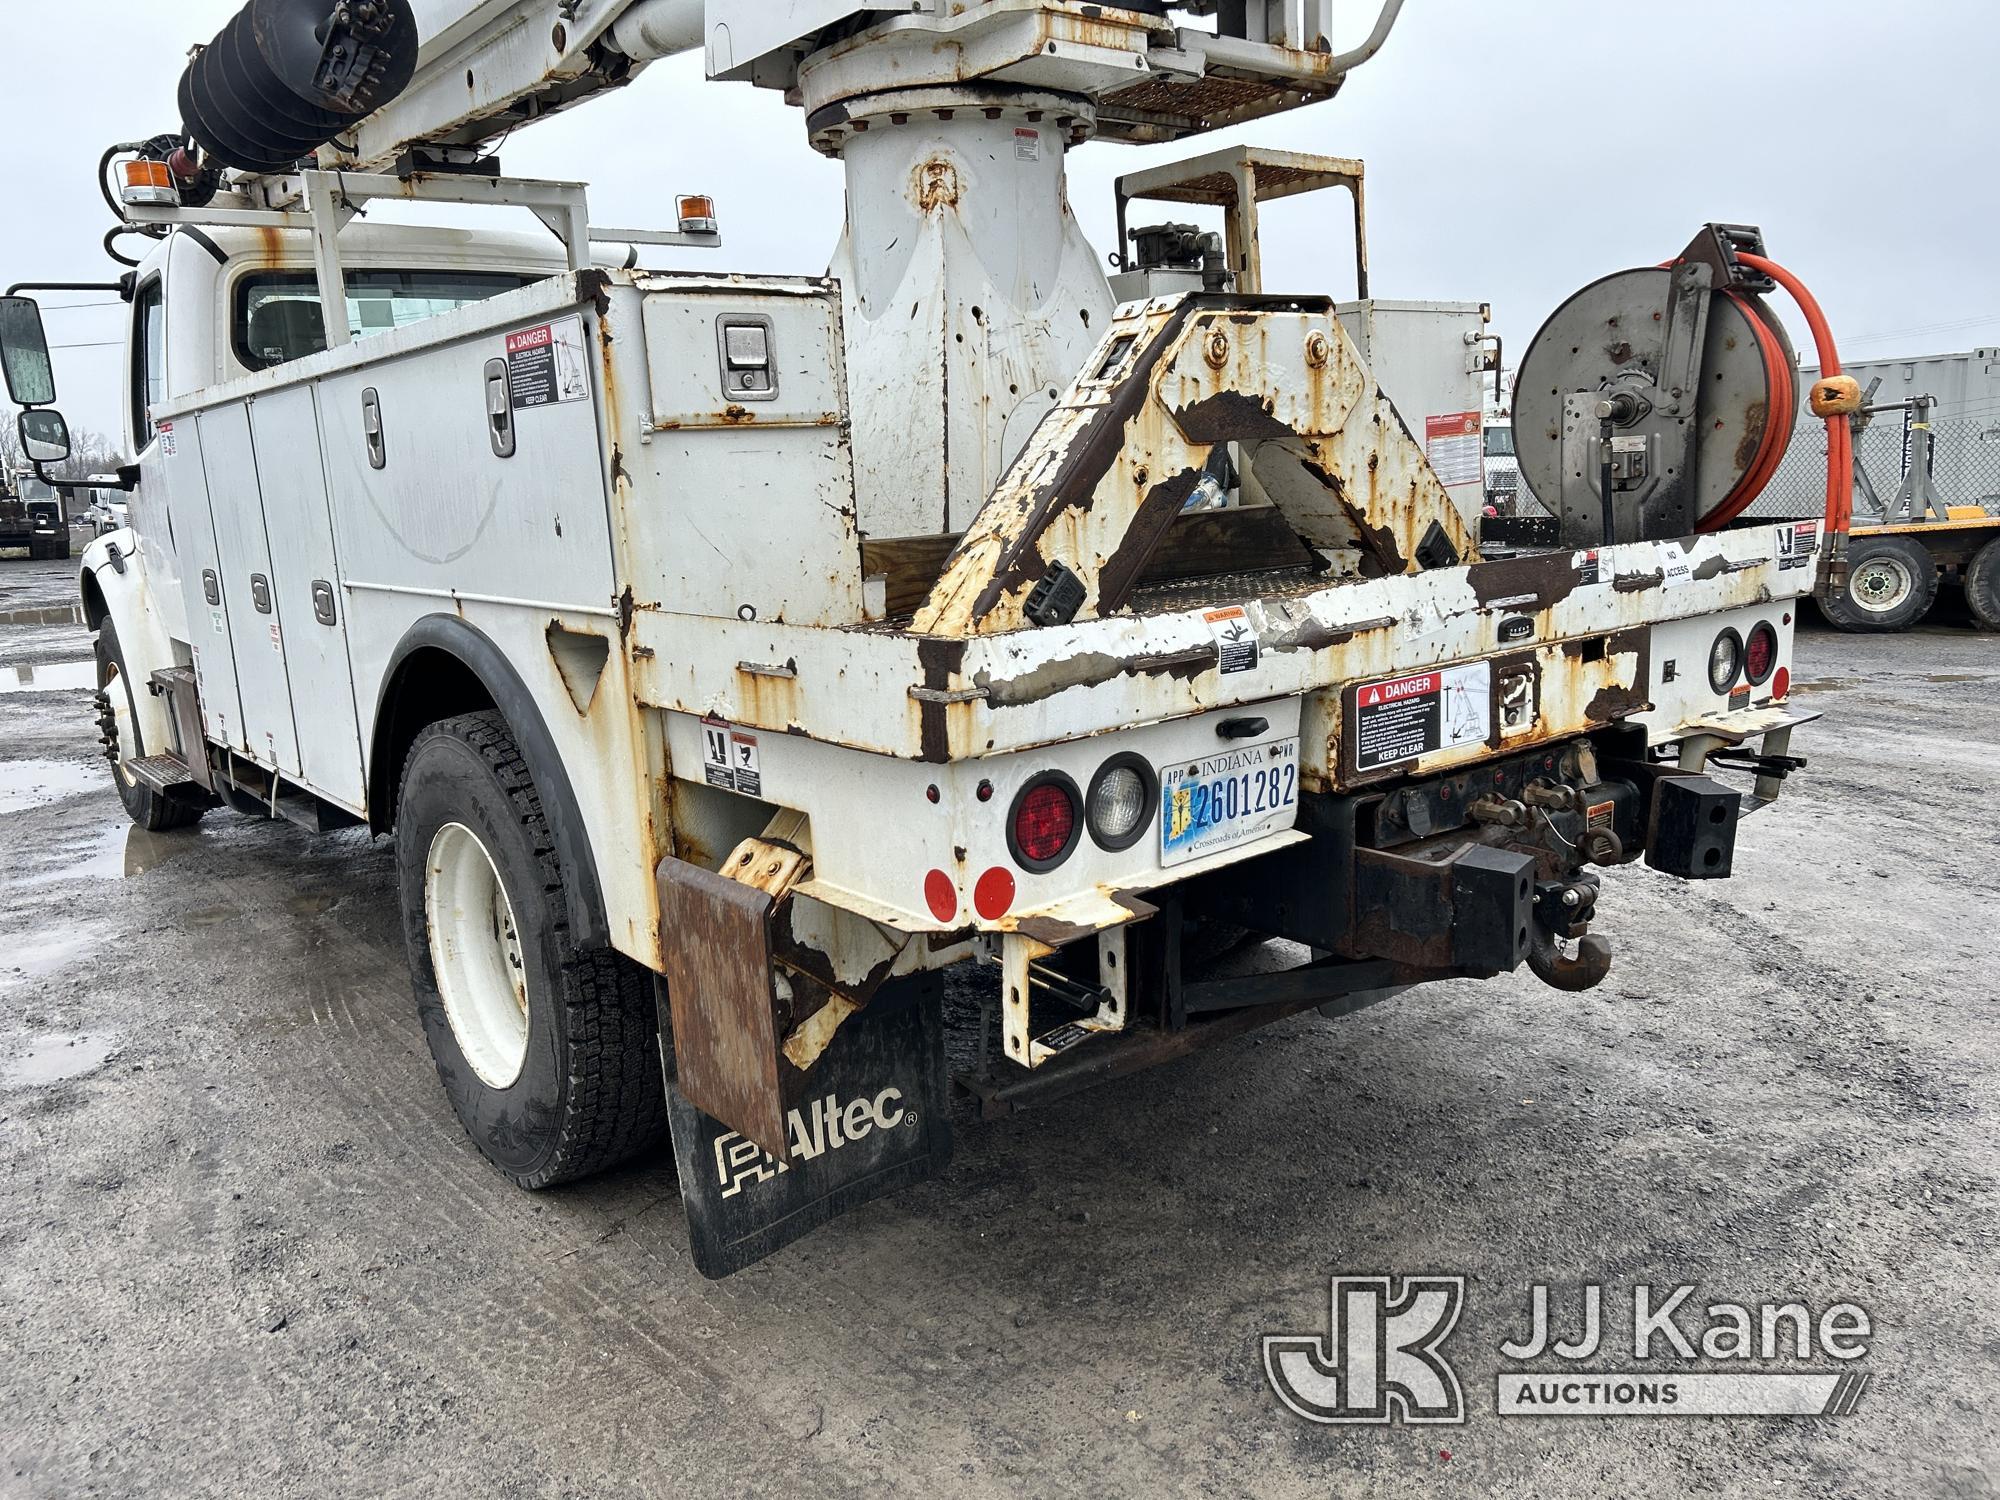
(44, 436)
(24, 352)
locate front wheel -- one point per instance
(118, 727)
(549, 1052)
(1891, 581)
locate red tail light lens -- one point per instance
(1760, 654)
(1043, 827)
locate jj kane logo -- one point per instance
(1380, 1361)
(1382, 1358)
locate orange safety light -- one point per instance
(697, 215)
(149, 184)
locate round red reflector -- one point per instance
(1044, 823)
(1760, 654)
(994, 894)
(941, 895)
(1782, 683)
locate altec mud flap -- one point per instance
(877, 1122)
(834, 1090)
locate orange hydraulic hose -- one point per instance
(1777, 431)
(1839, 432)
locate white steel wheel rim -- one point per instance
(1881, 583)
(476, 955)
(121, 720)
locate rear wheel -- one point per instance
(1891, 581)
(548, 1052)
(118, 726)
(1982, 585)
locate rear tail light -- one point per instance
(1760, 655)
(1725, 661)
(1042, 828)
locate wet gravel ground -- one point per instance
(245, 1248)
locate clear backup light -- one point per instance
(1725, 661)
(1120, 804)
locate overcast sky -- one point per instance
(1516, 150)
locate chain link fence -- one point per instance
(1965, 463)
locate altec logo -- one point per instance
(1381, 1361)
(813, 1130)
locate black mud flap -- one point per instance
(876, 1120)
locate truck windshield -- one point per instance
(1499, 442)
(278, 317)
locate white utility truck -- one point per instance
(729, 656)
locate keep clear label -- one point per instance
(1235, 639)
(1407, 717)
(546, 365)
(1453, 445)
(730, 758)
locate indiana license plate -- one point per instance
(1227, 799)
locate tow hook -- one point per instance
(1559, 970)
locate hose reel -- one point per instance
(1670, 389)
(285, 77)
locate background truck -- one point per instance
(32, 516)
(1927, 490)
(730, 657)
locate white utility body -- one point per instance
(825, 634)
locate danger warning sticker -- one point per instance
(730, 758)
(546, 366)
(1797, 541)
(1235, 639)
(1452, 443)
(1407, 717)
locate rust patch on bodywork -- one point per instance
(1614, 702)
(1090, 669)
(940, 660)
(1535, 582)
(1230, 417)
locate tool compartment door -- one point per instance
(310, 609)
(229, 459)
(194, 545)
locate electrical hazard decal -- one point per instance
(1235, 639)
(546, 365)
(1797, 541)
(730, 758)
(1408, 717)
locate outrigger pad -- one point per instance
(875, 1121)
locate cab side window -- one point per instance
(149, 358)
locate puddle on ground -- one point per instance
(57, 677)
(1956, 677)
(54, 1058)
(38, 958)
(117, 853)
(47, 614)
(36, 783)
